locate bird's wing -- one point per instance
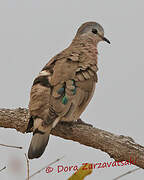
(47, 89)
(54, 89)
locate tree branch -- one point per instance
(128, 172)
(121, 148)
(3, 168)
(28, 177)
(5, 145)
(46, 167)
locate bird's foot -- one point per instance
(79, 121)
(67, 123)
(71, 123)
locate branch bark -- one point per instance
(119, 147)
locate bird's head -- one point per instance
(93, 31)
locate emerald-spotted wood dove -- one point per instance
(65, 86)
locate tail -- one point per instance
(39, 140)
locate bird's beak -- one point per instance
(104, 39)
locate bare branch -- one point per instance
(121, 148)
(18, 147)
(27, 167)
(3, 168)
(37, 172)
(129, 172)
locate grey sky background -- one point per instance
(31, 32)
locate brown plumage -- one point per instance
(64, 87)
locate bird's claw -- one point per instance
(79, 121)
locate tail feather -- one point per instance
(38, 144)
(39, 140)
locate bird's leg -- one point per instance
(79, 121)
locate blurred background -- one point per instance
(33, 31)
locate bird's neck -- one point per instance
(88, 46)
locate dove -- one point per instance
(64, 87)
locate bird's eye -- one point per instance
(94, 31)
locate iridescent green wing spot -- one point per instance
(64, 100)
(74, 90)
